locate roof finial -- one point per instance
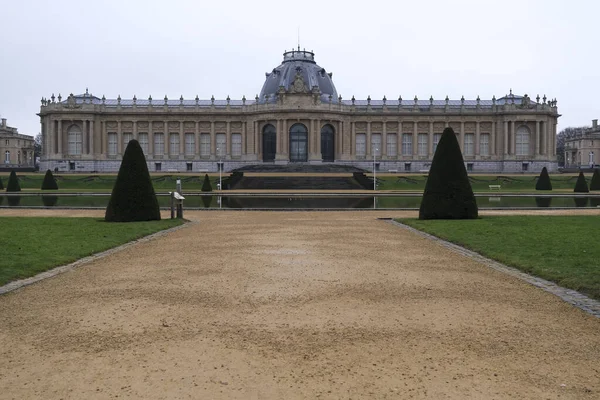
(298, 38)
(86, 91)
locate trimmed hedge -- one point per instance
(595, 183)
(1, 185)
(206, 186)
(543, 182)
(133, 197)
(49, 183)
(448, 193)
(581, 185)
(13, 183)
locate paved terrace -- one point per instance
(274, 305)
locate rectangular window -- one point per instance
(71, 166)
(236, 144)
(392, 145)
(7, 142)
(7, 157)
(407, 144)
(112, 144)
(174, 144)
(190, 144)
(376, 144)
(470, 167)
(221, 145)
(361, 144)
(74, 144)
(407, 167)
(469, 148)
(143, 139)
(205, 144)
(436, 140)
(127, 137)
(525, 167)
(422, 139)
(188, 167)
(484, 144)
(158, 166)
(159, 144)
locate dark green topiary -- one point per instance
(13, 183)
(581, 184)
(206, 186)
(1, 185)
(543, 182)
(595, 183)
(133, 197)
(448, 193)
(49, 183)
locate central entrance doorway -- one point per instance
(269, 143)
(298, 143)
(327, 144)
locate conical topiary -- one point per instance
(595, 183)
(448, 193)
(133, 197)
(581, 185)
(13, 186)
(49, 183)
(206, 186)
(13, 183)
(1, 185)
(543, 182)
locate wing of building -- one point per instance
(16, 149)
(297, 118)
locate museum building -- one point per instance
(17, 150)
(298, 117)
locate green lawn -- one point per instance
(561, 249)
(33, 245)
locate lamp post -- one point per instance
(374, 172)
(219, 168)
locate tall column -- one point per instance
(384, 140)
(91, 147)
(399, 136)
(84, 133)
(51, 134)
(430, 141)
(368, 144)
(150, 140)
(167, 139)
(59, 138)
(537, 138)
(256, 141)
(197, 138)
(103, 138)
(228, 140)
(415, 139)
(505, 138)
(213, 140)
(493, 139)
(119, 138)
(278, 136)
(477, 138)
(551, 137)
(462, 137)
(243, 134)
(353, 139)
(318, 139)
(285, 137)
(181, 140)
(135, 130)
(513, 139)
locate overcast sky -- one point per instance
(424, 48)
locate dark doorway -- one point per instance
(327, 144)
(298, 143)
(269, 143)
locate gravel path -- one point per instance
(272, 305)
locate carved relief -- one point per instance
(469, 126)
(438, 127)
(376, 127)
(189, 125)
(485, 126)
(391, 126)
(142, 125)
(127, 125)
(361, 126)
(173, 125)
(407, 127)
(220, 125)
(205, 125)
(455, 126)
(111, 124)
(236, 125)
(158, 126)
(423, 127)
(298, 86)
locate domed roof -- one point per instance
(301, 64)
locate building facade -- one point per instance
(16, 149)
(582, 147)
(297, 118)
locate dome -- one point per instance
(298, 63)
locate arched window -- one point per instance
(74, 138)
(298, 143)
(7, 157)
(18, 157)
(269, 143)
(522, 141)
(327, 143)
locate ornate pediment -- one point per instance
(71, 103)
(298, 86)
(526, 103)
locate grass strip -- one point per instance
(36, 244)
(561, 249)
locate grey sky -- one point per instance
(430, 48)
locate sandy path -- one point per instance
(276, 305)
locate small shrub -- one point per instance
(581, 185)
(595, 183)
(543, 182)
(448, 193)
(13, 183)
(133, 197)
(206, 186)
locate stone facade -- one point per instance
(582, 148)
(16, 149)
(298, 117)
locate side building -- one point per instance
(582, 147)
(16, 149)
(298, 118)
